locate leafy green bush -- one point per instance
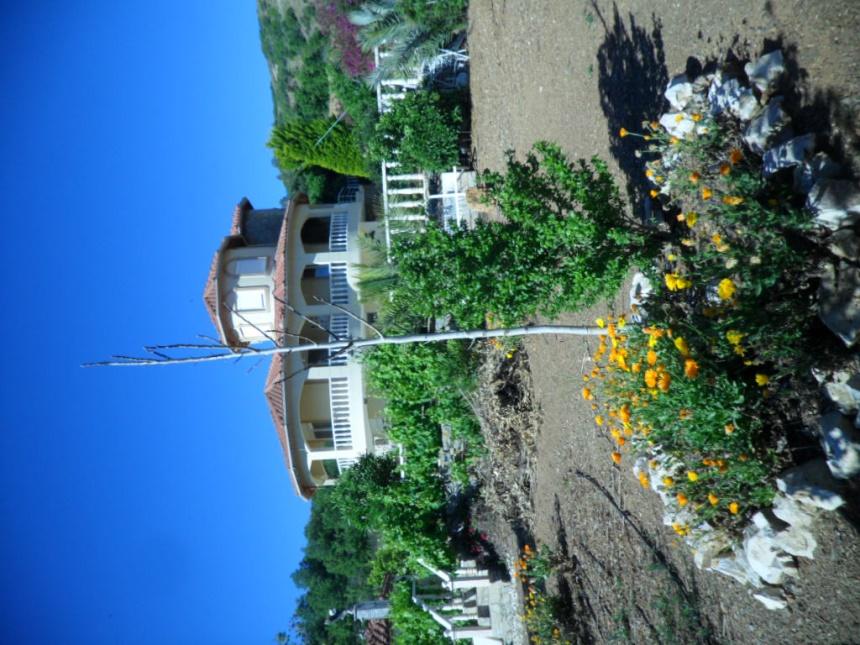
(412, 625)
(320, 143)
(333, 572)
(420, 132)
(565, 244)
(357, 100)
(406, 513)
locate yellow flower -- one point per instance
(726, 289)
(680, 217)
(636, 368)
(586, 394)
(725, 169)
(762, 379)
(729, 428)
(682, 499)
(734, 507)
(695, 177)
(598, 420)
(692, 475)
(623, 132)
(707, 193)
(654, 192)
(616, 457)
(600, 323)
(696, 117)
(654, 125)
(671, 281)
(680, 529)
(652, 357)
(674, 141)
(643, 480)
(671, 257)
(668, 482)
(713, 499)
(679, 117)
(651, 378)
(649, 173)
(691, 368)
(735, 156)
(734, 336)
(620, 440)
(681, 346)
(733, 200)
(664, 381)
(691, 219)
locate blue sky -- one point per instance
(138, 505)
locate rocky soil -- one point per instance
(574, 73)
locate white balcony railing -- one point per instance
(338, 284)
(341, 423)
(338, 232)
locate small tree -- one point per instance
(566, 243)
(318, 142)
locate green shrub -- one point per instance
(565, 244)
(357, 100)
(412, 625)
(420, 132)
(318, 143)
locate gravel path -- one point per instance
(574, 73)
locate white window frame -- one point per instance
(258, 266)
(248, 292)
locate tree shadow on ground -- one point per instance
(632, 77)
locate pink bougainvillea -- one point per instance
(333, 21)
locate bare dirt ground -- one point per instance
(574, 72)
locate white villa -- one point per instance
(287, 276)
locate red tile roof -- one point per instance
(377, 632)
(274, 392)
(244, 205)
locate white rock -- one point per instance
(797, 541)
(811, 484)
(791, 512)
(819, 167)
(640, 290)
(746, 107)
(735, 566)
(678, 124)
(706, 545)
(841, 443)
(765, 72)
(839, 302)
(766, 558)
(844, 243)
(771, 597)
(834, 202)
(844, 390)
(791, 153)
(723, 93)
(763, 130)
(679, 92)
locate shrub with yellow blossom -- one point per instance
(683, 405)
(541, 611)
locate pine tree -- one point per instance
(317, 142)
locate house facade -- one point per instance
(288, 276)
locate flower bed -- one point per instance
(702, 391)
